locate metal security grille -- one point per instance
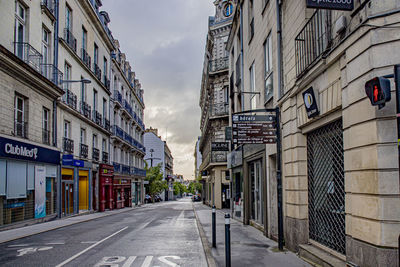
(326, 193)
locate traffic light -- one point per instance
(378, 91)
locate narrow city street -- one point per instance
(161, 234)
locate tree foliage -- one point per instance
(195, 187)
(179, 188)
(156, 183)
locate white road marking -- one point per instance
(89, 248)
(55, 243)
(88, 242)
(24, 251)
(147, 261)
(169, 263)
(129, 262)
(20, 245)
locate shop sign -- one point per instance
(40, 192)
(331, 4)
(219, 146)
(310, 102)
(14, 205)
(19, 150)
(68, 160)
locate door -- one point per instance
(67, 198)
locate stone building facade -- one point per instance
(214, 103)
(340, 167)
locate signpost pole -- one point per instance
(279, 181)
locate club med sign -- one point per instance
(331, 4)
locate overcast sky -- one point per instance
(164, 41)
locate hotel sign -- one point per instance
(331, 4)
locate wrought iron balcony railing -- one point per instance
(87, 60)
(70, 99)
(106, 124)
(104, 157)
(117, 131)
(97, 71)
(52, 73)
(219, 64)
(128, 138)
(117, 167)
(84, 151)
(70, 39)
(28, 54)
(106, 82)
(49, 6)
(21, 128)
(46, 136)
(220, 109)
(138, 172)
(128, 107)
(85, 109)
(313, 40)
(125, 169)
(95, 154)
(68, 145)
(117, 96)
(97, 118)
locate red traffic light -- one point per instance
(378, 91)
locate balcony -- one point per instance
(117, 131)
(106, 124)
(219, 156)
(70, 39)
(97, 71)
(117, 167)
(128, 138)
(85, 109)
(52, 73)
(70, 99)
(46, 136)
(125, 169)
(84, 151)
(49, 7)
(104, 157)
(313, 40)
(138, 172)
(117, 97)
(219, 64)
(95, 154)
(21, 128)
(106, 82)
(97, 118)
(128, 107)
(86, 59)
(219, 109)
(29, 55)
(68, 145)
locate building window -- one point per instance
(46, 46)
(20, 29)
(94, 100)
(96, 54)
(46, 127)
(83, 136)
(253, 98)
(67, 129)
(84, 40)
(104, 108)
(228, 9)
(105, 69)
(68, 18)
(94, 141)
(83, 91)
(251, 20)
(21, 124)
(104, 145)
(269, 88)
(67, 75)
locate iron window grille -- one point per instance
(313, 40)
(326, 193)
(84, 151)
(70, 39)
(68, 145)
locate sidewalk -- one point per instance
(13, 234)
(248, 245)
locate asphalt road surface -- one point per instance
(161, 234)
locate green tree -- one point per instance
(179, 188)
(156, 183)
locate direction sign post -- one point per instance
(262, 129)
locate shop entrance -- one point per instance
(326, 195)
(67, 197)
(127, 194)
(256, 192)
(83, 190)
(225, 196)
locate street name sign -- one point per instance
(331, 4)
(254, 129)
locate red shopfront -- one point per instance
(106, 173)
(122, 193)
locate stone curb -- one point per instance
(204, 241)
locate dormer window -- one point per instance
(228, 9)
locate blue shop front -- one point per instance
(29, 178)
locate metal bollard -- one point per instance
(227, 240)
(214, 238)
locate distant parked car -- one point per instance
(196, 198)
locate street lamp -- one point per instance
(85, 81)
